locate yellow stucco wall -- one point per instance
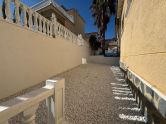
(28, 57)
(143, 43)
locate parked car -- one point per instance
(111, 53)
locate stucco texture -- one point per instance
(28, 58)
(143, 43)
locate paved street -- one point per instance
(98, 94)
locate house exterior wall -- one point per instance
(30, 57)
(77, 27)
(143, 42)
(79, 24)
(49, 10)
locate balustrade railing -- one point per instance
(28, 18)
(0, 11)
(52, 92)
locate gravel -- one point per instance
(92, 97)
(89, 98)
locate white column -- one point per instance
(44, 25)
(54, 23)
(61, 30)
(7, 9)
(25, 16)
(35, 21)
(17, 4)
(64, 32)
(59, 101)
(51, 27)
(30, 19)
(48, 30)
(0, 12)
(55, 104)
(40, 23)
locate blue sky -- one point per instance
(83, 8)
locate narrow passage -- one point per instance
(98, 94)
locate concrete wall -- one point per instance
(28, 57)
(113, 61)
(143, 43)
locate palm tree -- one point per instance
(94, 44)
(102, 11)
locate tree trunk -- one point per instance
(103, 44)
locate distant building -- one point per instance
(111, 44)
(69, 18)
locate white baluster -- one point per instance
(30, 19)
(35, 21)
(54, 23)
(67, 36)
(65, 33)
(56, 103)
(29, 115)
(58, 30)
(7, 10)
(50, 110)
(62, 31)
(0, 12)
(40, 23)
(44, 26)
(17, 14)
(72, 38)
(25, 16)
(51, 27)
(48, 29)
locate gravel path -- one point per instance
(96, 95)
